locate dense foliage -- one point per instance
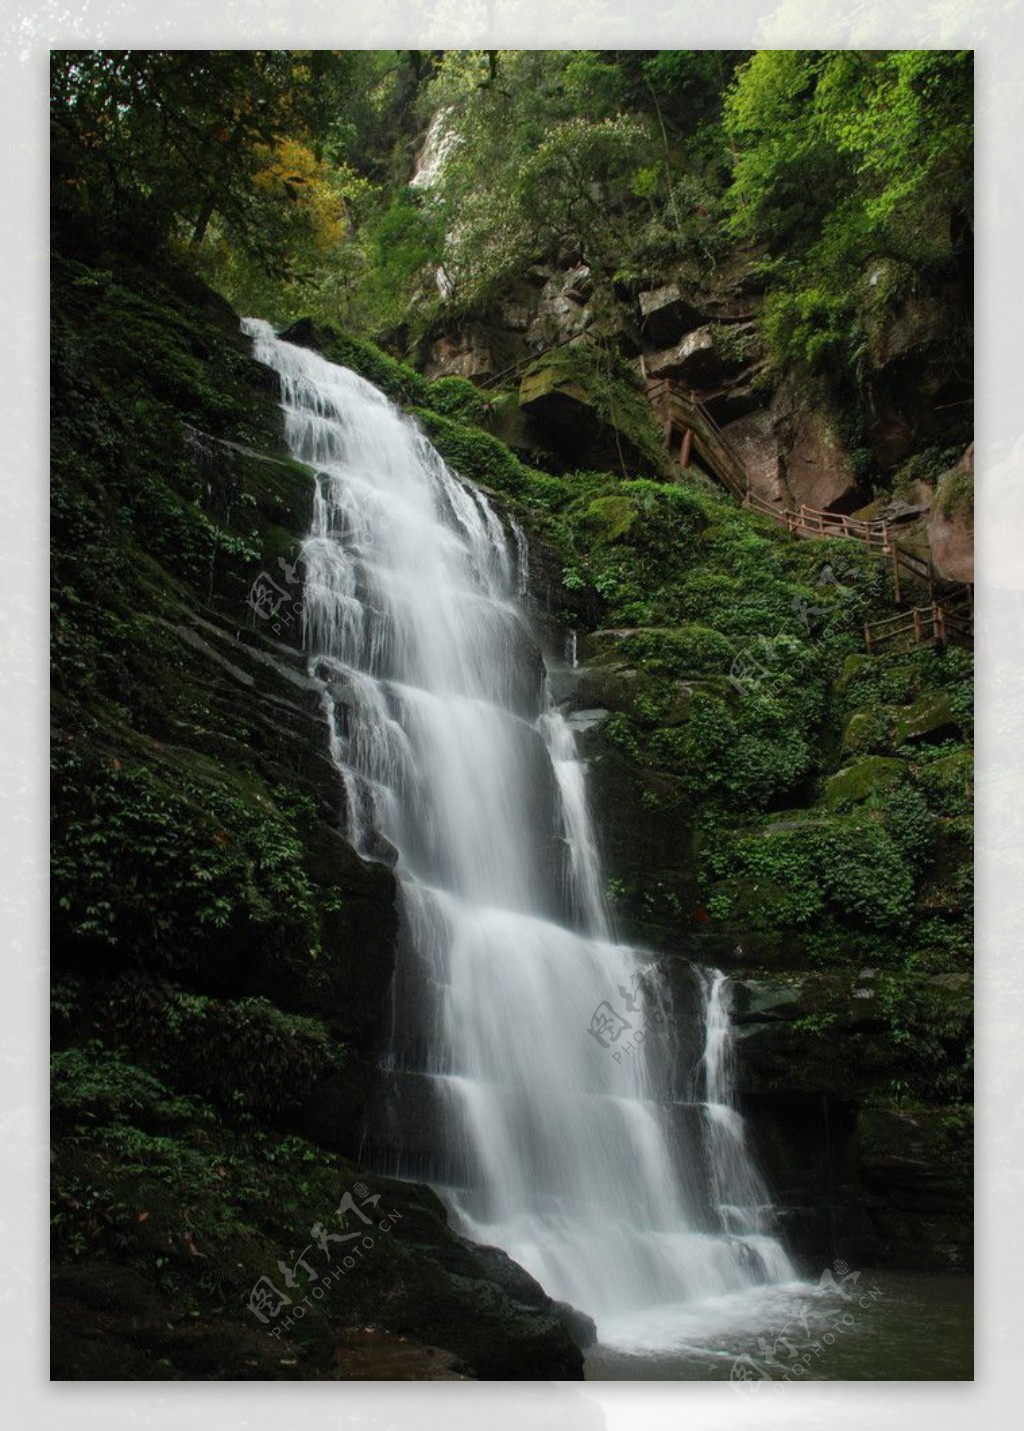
(288, 172)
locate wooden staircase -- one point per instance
(689, 428)
(940, 623)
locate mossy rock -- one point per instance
(853, 666)
(868, 730)
(856, 782)
(608, 519)
(596, 419)
(949, 782)
(930, 715)
(612, 686)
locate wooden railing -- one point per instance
(908, 563)
(938, 624)
(811, 522)
(681, 412)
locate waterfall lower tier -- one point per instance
(534, 1072)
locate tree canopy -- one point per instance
(288, 174)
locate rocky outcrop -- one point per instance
(467, 353)
(665, 315)
(950, 525)
(705, 356)
(754, 439)
(856, 1176)
(815, 460)
(590, 422)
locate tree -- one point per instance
(173, 139)
(843, 159)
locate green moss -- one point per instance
(793, 872)
(459, 398)
(160, 857)
(868, 729)
(925, 466)
(931, 715)
(855, 783)
(955, 496)
(607, 519)
(948, 783)
(243, 1054)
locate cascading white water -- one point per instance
(530, 1073)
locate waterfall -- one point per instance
(532, 1074)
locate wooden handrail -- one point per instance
(817, 523)
(932, 625)
(693, 417)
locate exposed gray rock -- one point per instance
(666, 315)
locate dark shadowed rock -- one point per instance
(666, 315)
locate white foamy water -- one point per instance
(531, 1074)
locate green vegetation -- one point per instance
(769, 793)
(848, 167)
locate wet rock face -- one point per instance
(815, 1060)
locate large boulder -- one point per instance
(819, 472)
(754, 439)
(666, 315)
(704, 356)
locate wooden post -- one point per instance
(897, 590)
(940, 624)
(867, 638)
(917, 626)
(684, 451)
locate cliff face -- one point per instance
(221, 957)
(801, 440)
